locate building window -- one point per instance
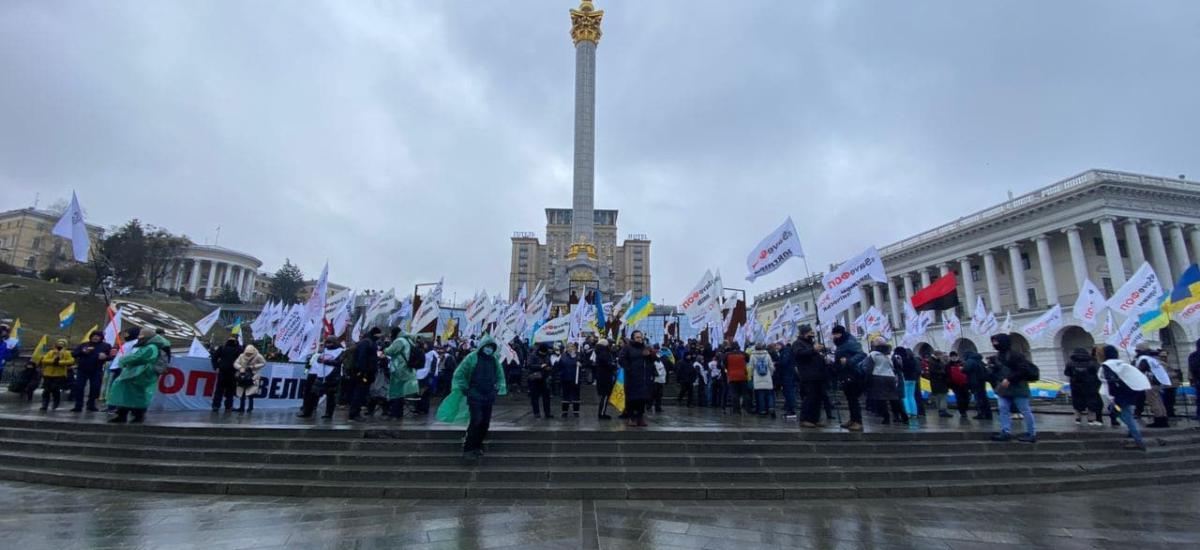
(975, 273)
(1025, 262)
(1108, 286)
(31, 263)
(1032, 297)
(37, 243)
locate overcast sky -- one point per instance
(403, 141)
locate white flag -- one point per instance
(197, 349)
(702, 299)
(854, 270)
(72, 227)
(1139, 294)
(1050, 320)
(1089, 305)
(773, 250)
(555, 330)
(1007, 327)
(206, 323)
(1128, 336)
(622, 304)
(113, 329)
(979, 317)
(356, 333)
(430, 309)
(1110, 327)
(952, 326)
(832, 302)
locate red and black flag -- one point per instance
(942, 294)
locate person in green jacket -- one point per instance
(478, 379)
(134, 388)
(402, 378)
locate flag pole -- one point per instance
(813, 296)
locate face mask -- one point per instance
(486, 351)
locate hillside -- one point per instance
(37, 303)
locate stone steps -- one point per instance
(540, 464)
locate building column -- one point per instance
(1018, 275)
(925, 277)
(1112, 250)
(1158, 251)
(862, 301)
(212, 278)
(989, 272)
(1078, 260)
(964, 268)
(178, 275)
(194, 280)
(1179, 250)
(908, 288)
(1133, 241)
(237, 285)
(895, 304)
(253, 285)
(877, 296)
(1195, 231)
(1046, 263)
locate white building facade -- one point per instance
(1034, 251)
(204, 270)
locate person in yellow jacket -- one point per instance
(54, 364)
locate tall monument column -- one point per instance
(585, 31)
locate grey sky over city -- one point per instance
(405, 141)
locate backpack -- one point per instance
(416, 358)
(1032, 372)
(163, 362)
(761, 367)
(957, 377)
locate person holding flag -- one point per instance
(637, 362)
(605, 371)
(90, 357)
(54, 364)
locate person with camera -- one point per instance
(90, 357)
(248, 366)
(323, 376)
(537, 374)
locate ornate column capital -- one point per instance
(1070, 229)
(1154, 223)
(1041, 237)
(1131, 221)
(989, 253)
(585, 23)
(963, 259)
(1103, 219)
(1012, 246)
(1175, 225)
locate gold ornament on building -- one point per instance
(585, 248)
(585, 23)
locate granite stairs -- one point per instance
(385, 462)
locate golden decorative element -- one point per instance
(586, 248)
(585, 23)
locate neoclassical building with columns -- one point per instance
(204, 269)
(1033, 251)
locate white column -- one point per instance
(924, 277)
(178, 275)
(1158, 251)
(894, 300)
(1047, 265)
(250, 288)
(1078, 260)
(908, 287)
(194, 280)
(964, 268)
(212, 279)
(1195, 232)
(862, 300)
(1112, 250)
(1179, 252)
(877, 296)
(237, 286)
(1018, 275)
(1133, 241)
(993, 284)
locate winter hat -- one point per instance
(838, 329)
(878, 341)
(1142, 346)
(1002, 342)
(805, 329)
(1110, 352)
(61, 342)
(135, 333)
(602, 342)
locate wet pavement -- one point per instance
(37, 517)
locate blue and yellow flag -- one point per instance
(40, 349)
(1157, 318)
(66, 316)
(617, 398)
(14, 333)
(87, 335)
(639, 311)
(1187, 290)
(600, 321)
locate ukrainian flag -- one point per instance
(88, 334)
(1157, 318)
(1187, 290)
(14, 334)
(639, 311)
(600, 320)
(40, 349)
(66, 316)
(617, 399)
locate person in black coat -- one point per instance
(366, 361)
(847, 357)
(977, 379)
(811, 375)
(637, 359)
(569, 379)
(90, 357)
(537, 375)
(1194, 373)
(785, 371)
(685, 375)
(1084, 373)
(222, 362)
(605, 369)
